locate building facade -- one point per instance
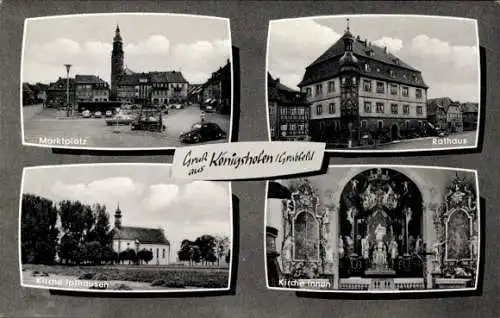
(91, 88)
(366, 229)
(470, 117)
(454, 118)
(437, 111)
(57, 93)
(361, 94)
(157, 88)
(139, 238)
(217, 89)
(289, 112)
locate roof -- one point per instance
(283, 94)
(27, 87)
(60, 84)
(328, 66)
(441, 102)
(88, 79)
(470, 107)
(154, 77)
(142, 234)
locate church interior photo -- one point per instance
(380, 229)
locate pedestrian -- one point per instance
(202, 116)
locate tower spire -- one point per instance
(118, 216)
(347, 29)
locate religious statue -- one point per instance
(393, 250)
(341, 247)
(350, 244)
(437, 255)
(365, 248)
(418, 245)
(380, 255)
(286, 254)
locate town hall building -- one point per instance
(361, 94)
(138, 238)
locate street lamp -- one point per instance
(68, 107)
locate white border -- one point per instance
(346, 291)
(24, 143)
(147, 291)
(475, 146)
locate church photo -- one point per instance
(374, 229)
(123, 227)
(126, 81)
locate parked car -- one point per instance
(109, 113)
(86, 114)
(149, 118)
(97, 114)
(119, 119)
(201, 132)
(176, 106)
(209, 109)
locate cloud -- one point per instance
(293, 44)
(161, 195)
(153, 45)
(393, 44)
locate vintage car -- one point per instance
(203, 131)
(149, 118)
(109, 113)
(85, 113)
(97, 114)
(176, 106)
(119, 119)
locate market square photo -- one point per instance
(374, 83)
(123, 228)
(126, 81)
(374, 229)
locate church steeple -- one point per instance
(118, 216)
(348, 61)
(117, 57)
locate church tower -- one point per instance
(116, 62)
(118, 217)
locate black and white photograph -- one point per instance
(126, 81)
(374, 83)
(123, 228)
(374, 229)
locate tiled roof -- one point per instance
(327, 65)
(88, 79)
(434, 103)
(61, 84)
(142, 234)
(154, 77)
(283, 94)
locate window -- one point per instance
(283, 111)
(331, 108)
(405, 91)
(380, 88)
(284, 127)
(367, 86)
(419, 124)
(319, 110)
(406, 109)
(380, 124)
(394, 89)
(367, 67)
(293, 111)
(301, 128)
(163, 254)
(306, 233)
(157, 253)
(368, 107)
(420, 110)
(331, 86)
(407, 124)
(394, 108)
(301, 111)
(418, 93)
(292, 127)
(363, 124)
(380, 108)
(391, 73)
(319, 90)
(309, 92)
(354, 80)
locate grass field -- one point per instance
(166, 276)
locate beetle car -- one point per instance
(203, 131)
(119, 119)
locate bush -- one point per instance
(100, 276)
(176, 283)
(122, 287)
(158, 282)
(86, 276)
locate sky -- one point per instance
(445, 50)
(194, 45)
(148, 197)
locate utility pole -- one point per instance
(68, 106)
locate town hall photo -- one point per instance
(374, 83)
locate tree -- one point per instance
(38, 230)
(145, 255)
(228, 256)
(185, 253)
(221, 246)
(206, 244)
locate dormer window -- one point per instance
(391, 73)
(367, 67)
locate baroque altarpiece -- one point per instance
(381, 232)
